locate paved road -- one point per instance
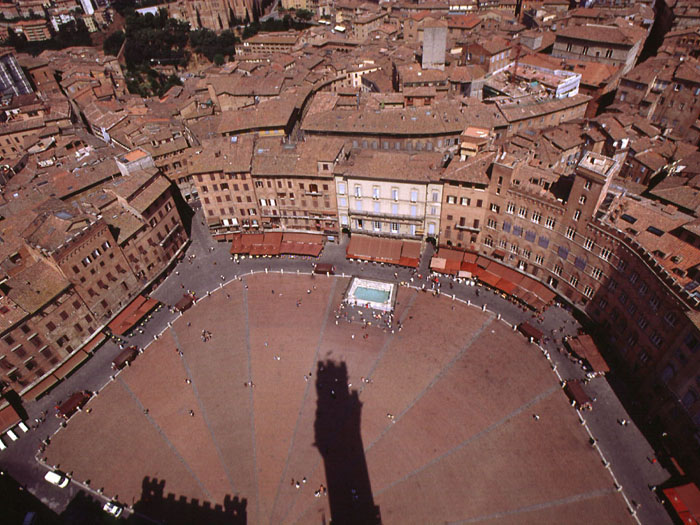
(208, 264)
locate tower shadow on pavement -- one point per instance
(338, 438)
(156, 506)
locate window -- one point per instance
(643, 288)
(588, 291)
(495, 208)
(488, 242)
(522, 212)
(539, 259)
(596, 273)
(358, 191)
(588, 243)
(557, 270)
(436, 196)
(550, 223)
(375, 192)
(510, 208)
(503, 244)
(395, 195)
(587, 185)
(536, 217)
(491, 223)
(394, 227)
(526, 253)
(479, 203)
(670, 318)
(654, 302)
(341, 188)
(623, 297)
(573, 280)
(570, 233)
(642, 322)
(414, 195)
(464, 201)
(377, 226)
(690, 398)
(633, 277)
(451, 199)
(605, 254)
(342, 201)
(577, 215)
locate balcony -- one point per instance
(398, 217)
(474, 229)
(418, 236)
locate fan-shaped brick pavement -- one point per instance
(462, 445)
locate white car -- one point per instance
(58, 478)
(113, 508)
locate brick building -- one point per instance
(294, 184)
(618, 46)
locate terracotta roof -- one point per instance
(472, 170)
(36, 286)
(422, 167)
(601, 34)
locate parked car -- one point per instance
(72, 404)
(113, 508)
(58, 478)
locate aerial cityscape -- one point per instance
(349, 262)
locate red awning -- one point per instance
(585, 347)
(71, 364)
(41, 387)
(505, 285)
(483, 262)
(685, 500)
(376, 249)
(470, 257)
(410, 250)
(530, 331)
(469, 267)
(489, 278)
(131, 315)
(451, 255)
(8, 418)
(94, 343)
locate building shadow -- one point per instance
(338, 438)
(157, 506)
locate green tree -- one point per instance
(113, 43)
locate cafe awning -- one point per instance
(585, 347)
(530, 331)
(685, 500)
(8, 418)
(41, 387)
(132, 314)
(70, 364)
